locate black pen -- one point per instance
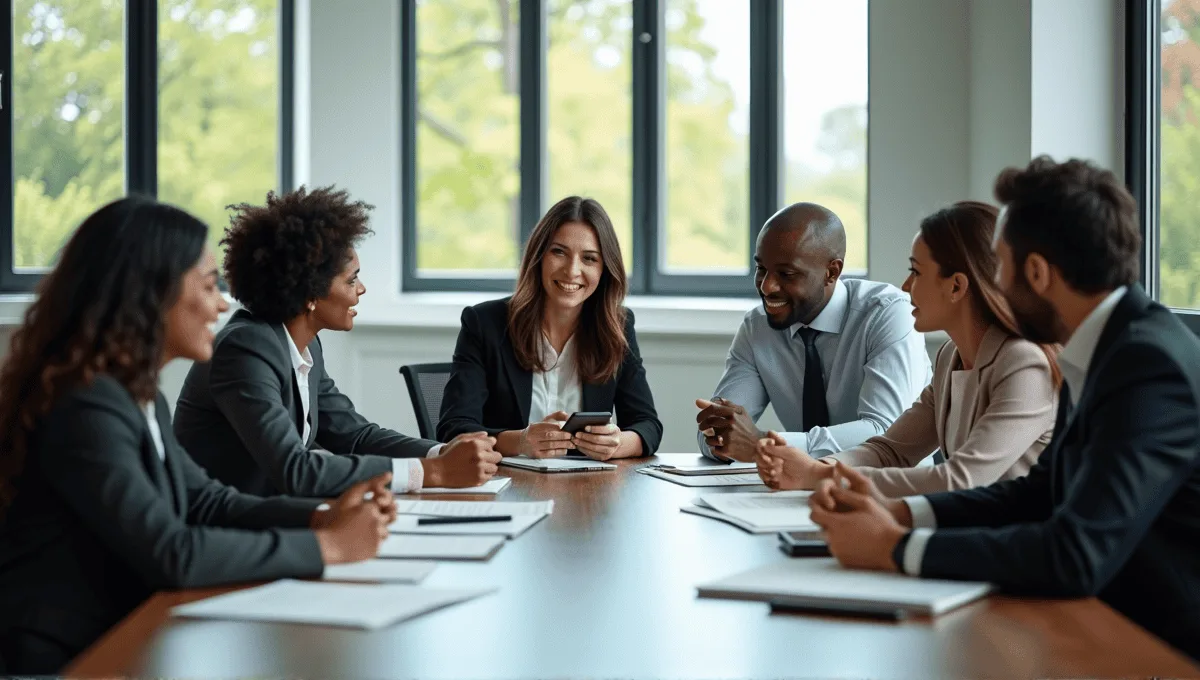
(425, 521)
(862, 611)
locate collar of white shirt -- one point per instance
(298, 358)
(1076, 355)
(833, 317)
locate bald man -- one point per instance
(839, 360)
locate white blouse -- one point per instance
(155, 430)
(558, 388)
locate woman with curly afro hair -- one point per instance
(263, 415)
(99, 505)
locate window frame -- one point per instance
(765, 141)
(1143, 116)
(141, 118)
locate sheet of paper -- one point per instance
(744, 479)
(782, 509)
(492, 486)
(822, 580)
(326, 604)
(519, 524)
(473, 508)
(380, 571)
(422, 547)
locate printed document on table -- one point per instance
(524, 515)
(743, 479)
(492, 486)
(326, 604)
(763, 509)
(420, 547)
(381, 571)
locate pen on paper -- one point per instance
(426, 521)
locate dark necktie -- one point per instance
(816, 411)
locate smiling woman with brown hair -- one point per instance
(563, 342)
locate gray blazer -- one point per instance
(1004, 421)
(100, 522)
(240, 416)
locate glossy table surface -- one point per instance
(605, 587)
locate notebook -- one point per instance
(422, 547)
(556, 464)
(326, 604)
(757, 512)
(733, 468)
(524, 515)
(380, 571)
(492, 486)
(743, 479)
(818, 581)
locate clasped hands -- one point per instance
(860, 524)
(547, 440)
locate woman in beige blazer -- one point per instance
(993, 399)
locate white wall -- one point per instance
(959, 89)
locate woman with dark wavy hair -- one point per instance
(264, 416)
(991, 405)
(101, 506)
(563, 342)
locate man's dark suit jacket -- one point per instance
(1113, 506)
(240, 416)
(488, 389)
(100, 522)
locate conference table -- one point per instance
(605, 586)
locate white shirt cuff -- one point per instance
(796, 439)
(407, 475)
(914, 552)
(922, 512)
(434, 451)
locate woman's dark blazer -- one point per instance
(489, 391)
(100, 523)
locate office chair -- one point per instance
(426, 385)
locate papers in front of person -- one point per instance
(524, 515)
(380, 571)
(821, 581)
(556, 464)
(419, 547)
(733, 468)
(757, 512)
(741, 479)
(492, 486)
(327, 604)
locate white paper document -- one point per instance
(326, 604)
(524, 515)
(492, 486)
(556, 464)
(380, 571)
(817, 581)
(421, 547)
(758, 512)
(743, 479)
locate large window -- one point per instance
(189, 100)
(689, 120)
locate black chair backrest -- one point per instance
(426, 386)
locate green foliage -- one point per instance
(467, 136)
(218, 63)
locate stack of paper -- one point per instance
(492, 486)
(556, 464)
(733, 468)
(410, 546)
(738, 479)
(380, 571)
(758, 513)
(821, 581)
(524, 515)
(326, 604)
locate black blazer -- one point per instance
(488, 389)
(100, 523)
(1112, 507)
(240, 416)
